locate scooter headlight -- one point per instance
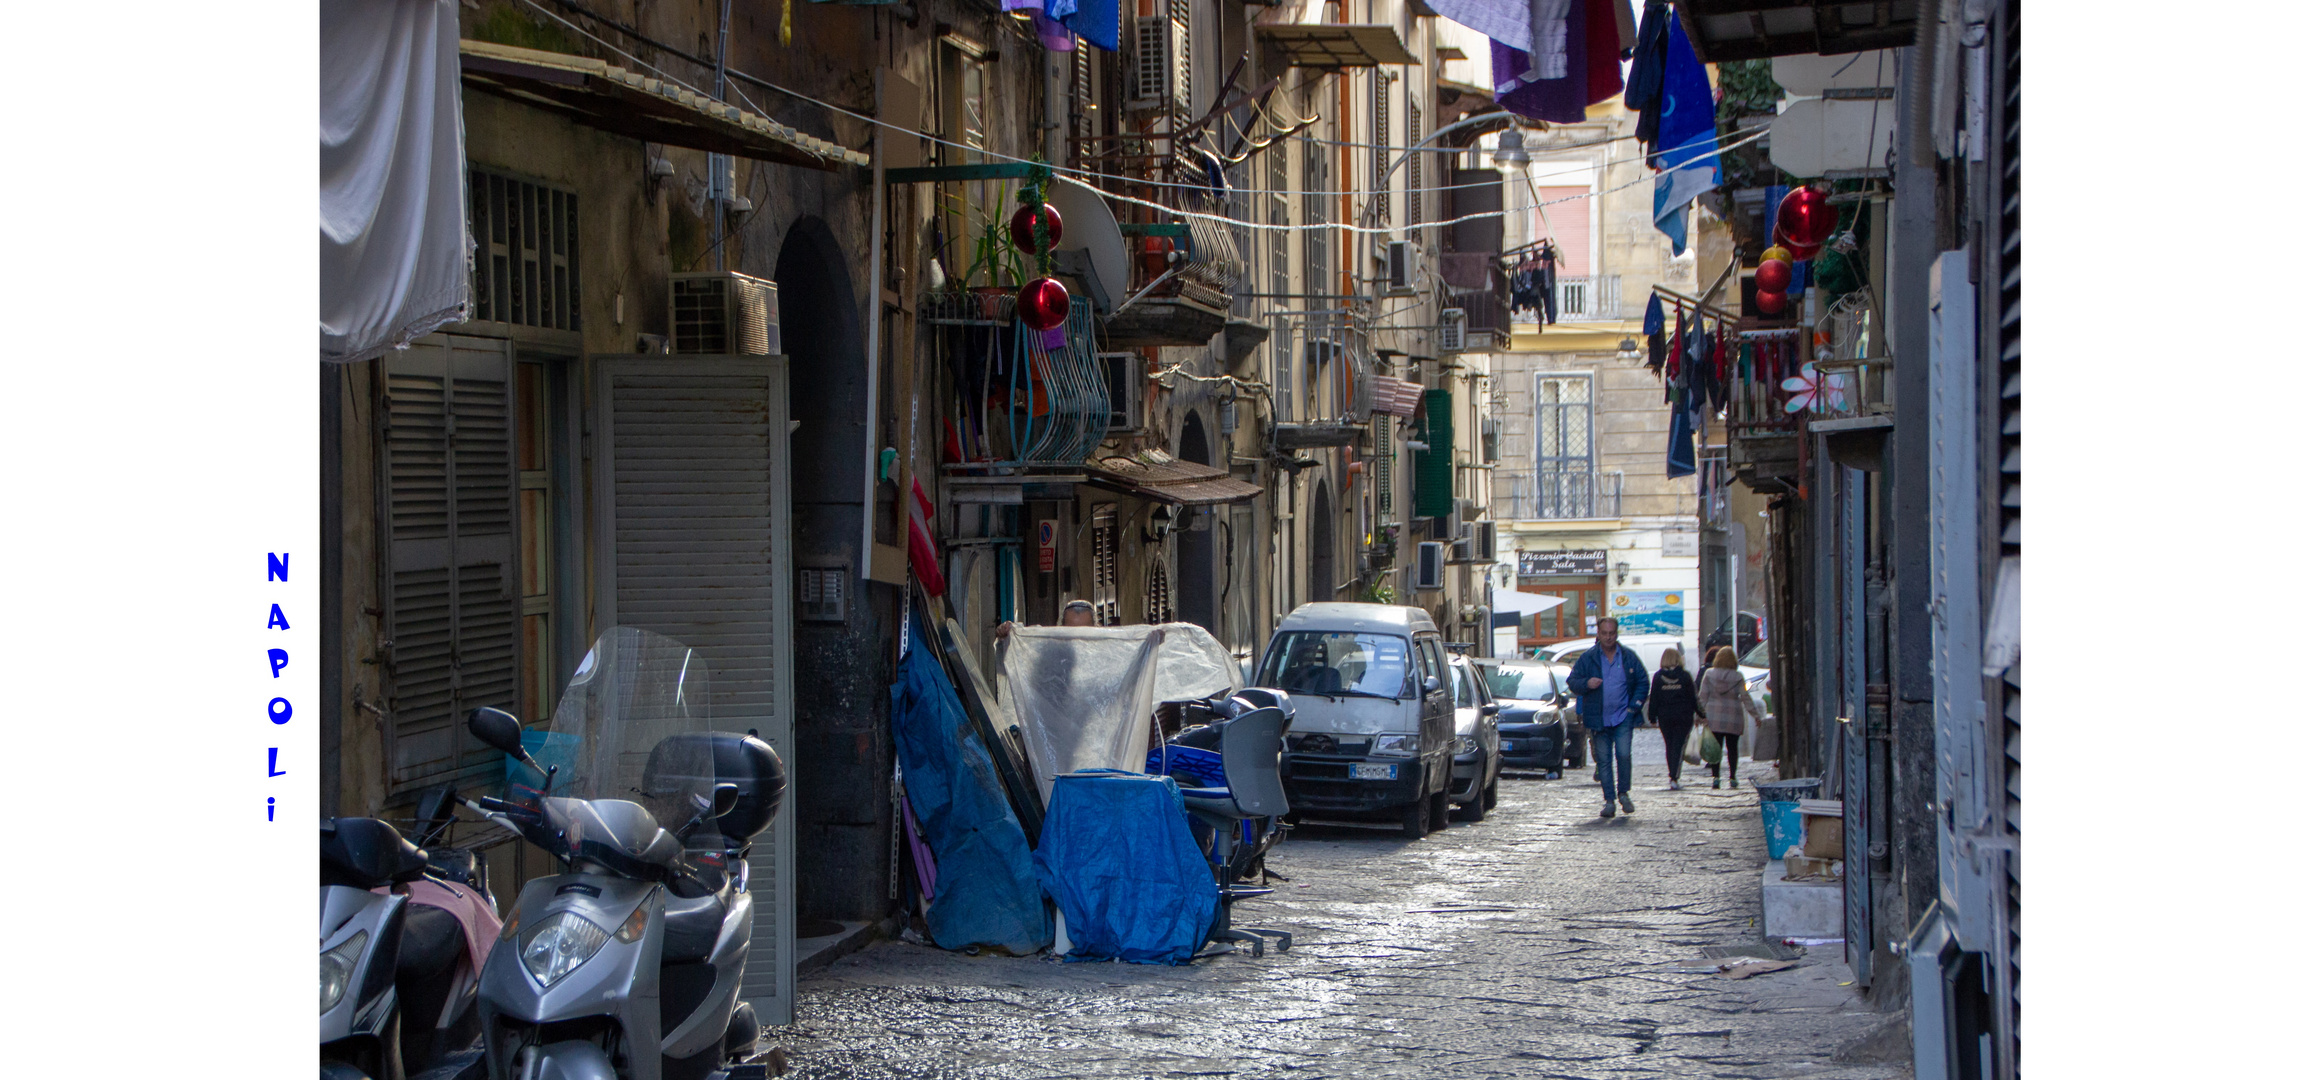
(558, 945)
(338, 968)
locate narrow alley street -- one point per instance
(1541, 942)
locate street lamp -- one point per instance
(1512, 157)
(1629, 351)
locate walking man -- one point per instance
(1612, 684)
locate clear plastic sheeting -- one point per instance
(1083, 696)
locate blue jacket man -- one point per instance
(1594, 675)
(1588, 667)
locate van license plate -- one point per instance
(1362, 771)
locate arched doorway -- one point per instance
(844, 757)
(1196, 549)
(1323, 561)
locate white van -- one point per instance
(1375, 726)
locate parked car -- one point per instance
(1538, 724)
(1751, 634)
(1376, 723)
(1473, 770)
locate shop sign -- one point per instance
(1648, 612)
(1562, 563)
(1047, 531)
(1678, 543)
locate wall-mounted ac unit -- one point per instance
(1400, 268)
(723, 313)
(1461, 551)
(1486, 541)
(1468, 510)
(1429, 565)
(1123, 376)
(1453, 330)
(1163, 61)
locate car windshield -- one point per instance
(1760, 656)
(1525, 682)
(1324, 662)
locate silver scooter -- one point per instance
(627, 966)
(361, 933)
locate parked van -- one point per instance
(1376, 724)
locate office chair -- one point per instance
(1250, 746)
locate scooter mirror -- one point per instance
(497, 730)
(726, 798)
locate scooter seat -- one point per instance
(689, 928)
(432, 938)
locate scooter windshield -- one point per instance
(633, 690)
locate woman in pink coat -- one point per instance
(1723, 694)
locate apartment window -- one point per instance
(1106, 575)
(1565, 447)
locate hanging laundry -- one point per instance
(1568, 60)
(1646, 78)
(1682, 460)
(1095, 21)
(1655, 328)
(1689, 164)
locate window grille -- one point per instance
(527, 252)
(1106, 522)
(1565, 446)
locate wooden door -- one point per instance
(1573, 618)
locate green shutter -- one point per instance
(1434, 485)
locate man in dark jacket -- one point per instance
(1611, 683)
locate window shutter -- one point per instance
(1433, 468)
(450, 535)
(692, 504)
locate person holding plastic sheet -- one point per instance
(1612, 684)
(1723, 695)
(1673, 704)
(1075, 613)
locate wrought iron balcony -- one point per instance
(1559, 496)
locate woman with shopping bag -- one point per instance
(1673, 704)
(1724, 698)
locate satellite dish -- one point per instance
(1090, 246)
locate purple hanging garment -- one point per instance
(1556, 101)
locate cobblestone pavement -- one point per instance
(1566, 967)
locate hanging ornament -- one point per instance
(1043, 304)
(1770, 303)
(1807, 219)
(1776, 253)
(1025, 227)
(1814, 389)
(1773, 276)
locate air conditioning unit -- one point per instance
(1465, 529)
(1163, 61)
(1123, 376)
(1468, 510)
(723, 313)
(1400, 268)
(1461, 551)
(1453, 330)
(1486, 541)
(1429, 565)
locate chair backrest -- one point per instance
(1251, 752)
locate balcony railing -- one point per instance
(1560, 496)
(1588, 298)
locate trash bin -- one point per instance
(549, 748)
(1783, 819)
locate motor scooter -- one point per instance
(627, 965)
(404, 933)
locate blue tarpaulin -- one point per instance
(986, 892)
(1120, 862)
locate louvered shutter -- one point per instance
(692, 516)
(449, 503)
(1435, 478)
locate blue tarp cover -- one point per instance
(1120, 863)
(986, 892)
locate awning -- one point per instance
(1722, 31)
(1154, 475)
(623, 102)
(1334, 45)
(1524, 603)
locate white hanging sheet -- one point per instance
(394, 185)
(1083, 696)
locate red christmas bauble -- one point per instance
(1043, 304)
(1801, 250)
(1773, 276)
(1770, 303)
(1808, 218)
(1024, 222)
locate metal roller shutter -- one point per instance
(692, 505)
